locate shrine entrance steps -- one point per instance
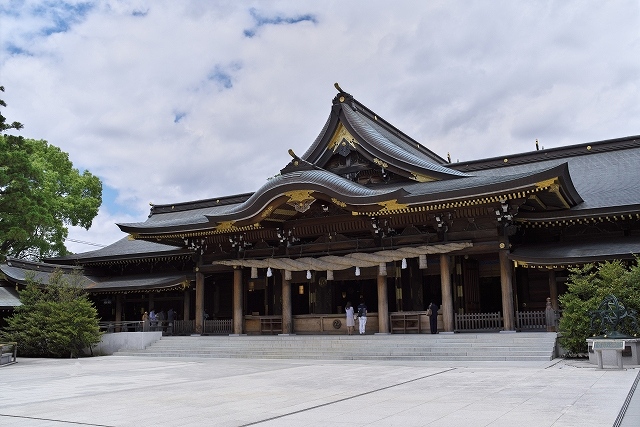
(520, 346)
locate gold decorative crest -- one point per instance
(392, 205)
(300, 200)
(225, 226)
(341, 135)
(338, 202)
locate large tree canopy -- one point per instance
(41, 194)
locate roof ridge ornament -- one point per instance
(343, 97)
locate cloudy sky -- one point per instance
(169, 101)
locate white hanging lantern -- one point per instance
(404, 263)
(329, 274)
(422, 261)
(269, 272)
(308, 274)
(254, 272)
(357, 271)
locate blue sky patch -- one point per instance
(177, 116)
(223, 75)
(61, 15)
(261, 20)
(15, 50)
(109, 202)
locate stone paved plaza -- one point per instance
(145, 391)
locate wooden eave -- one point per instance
(583, 216)
(572, 253)
(549, 189)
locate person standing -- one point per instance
(350, 318)
(433, 318)
(362, 316)
(145, 322)
(153, 320)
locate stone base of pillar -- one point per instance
(445, 333)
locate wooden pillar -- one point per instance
(447, 297)
(186, 307)
(553, 289)
(287, 319)
(118, 310)
(506, 283)
(383, 305)
(237, 301)
(199, 302)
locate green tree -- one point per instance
(3, 121)
(41, 194)
(586, 288)
(54, 320)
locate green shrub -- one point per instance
(587, 287)
(54, 320)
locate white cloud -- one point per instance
(172, 101)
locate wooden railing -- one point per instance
(184, 327)
(478, 321)
(218, 326)
(8, 353)
(527, 320)
(405, 322)
(123, 326)
(271, 325)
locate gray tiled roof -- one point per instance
(21, 271)
(8, 297)
(606, 179)
(125, 247)
(471, 182)
(578, 252)
(393, 146)
(319, 179)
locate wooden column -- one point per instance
(447, 297)
(553, 289)
(383, 305)
(237, 301)
(287, 319)
(199, 302)
(506, 283)
(118, 310)
(186, 307)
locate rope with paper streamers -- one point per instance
(358, 259)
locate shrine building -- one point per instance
(368, 213)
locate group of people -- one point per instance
(361, 315)
(153, 321)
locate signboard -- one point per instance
(608, 344)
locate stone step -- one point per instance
(537, 346)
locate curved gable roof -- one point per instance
(378, 141)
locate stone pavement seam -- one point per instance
(347, 398)
(625, 405)
(53, 421)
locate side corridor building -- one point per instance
(369, 213)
